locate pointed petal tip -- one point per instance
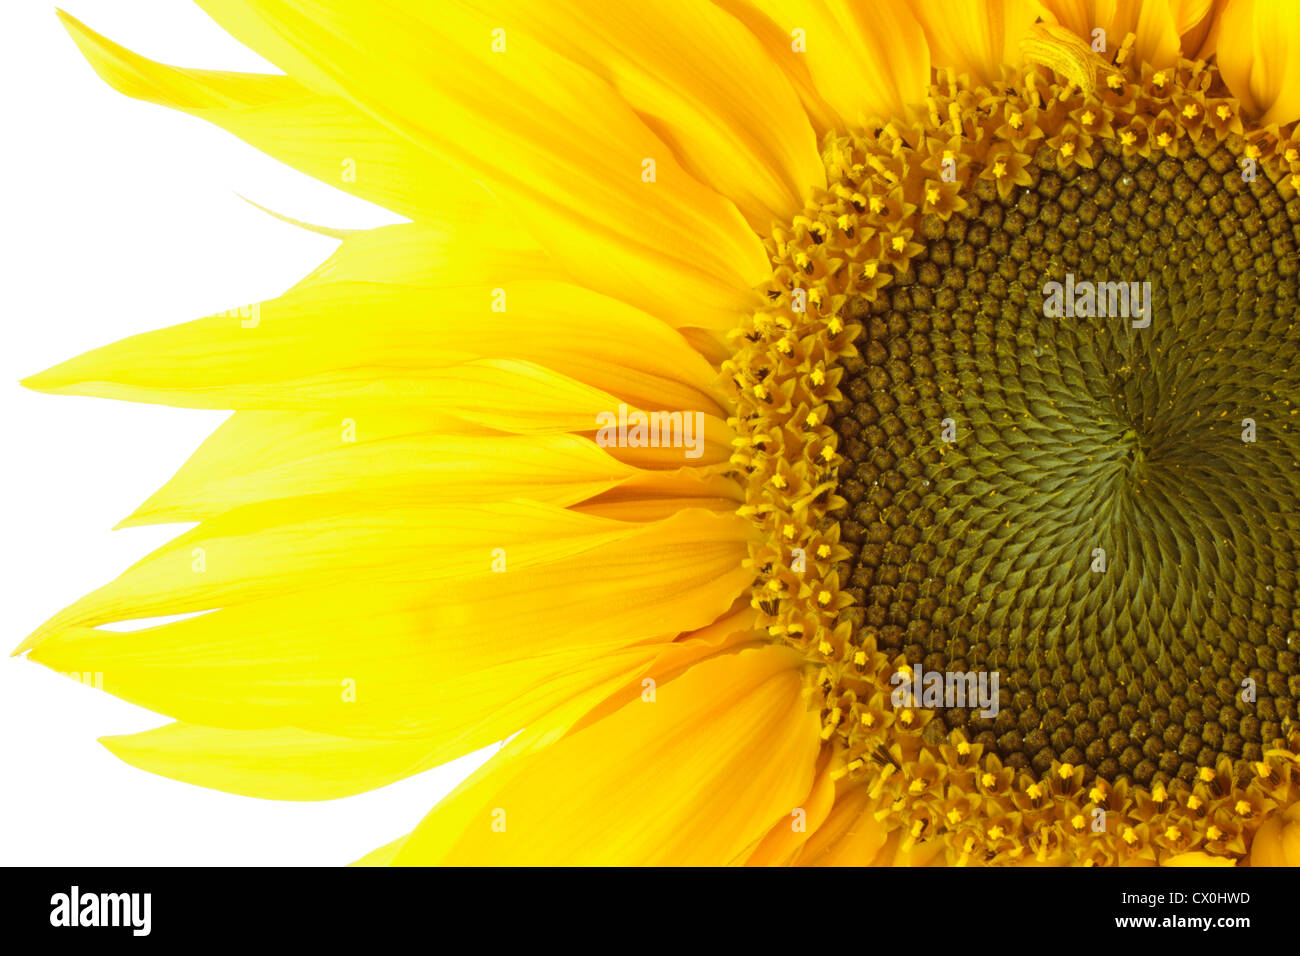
(51, 381)
(29, 642)
(61, 624)
(113, 744)
(146, 516)
(87, 39)
(331, 232)
(133, 520)
(34, 382)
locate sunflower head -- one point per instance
(870, 430)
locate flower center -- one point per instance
(1088, 491)
(1020, 439)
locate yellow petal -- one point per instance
(706, 86)
(259, 456)
(281, 763)
(293, 764)
(783, 843)
(404, 458)
(1189, 14)
(478, 246)
(1277, 841)
(850, 834)
(868, 61)
(554, 142)
(324, 136)
(1152, 23)
(977, 36)
(384, 855)
(778, 42)
(652, 509)
(1198, 22)
(461, 669)
(899, 851)
(692, 777)
(277, 547)
(1291, 843)
(733, 632)
(1258, 52)
(1197, 858)
(345, 341)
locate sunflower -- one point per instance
(754, 382)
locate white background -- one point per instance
(117, 217)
